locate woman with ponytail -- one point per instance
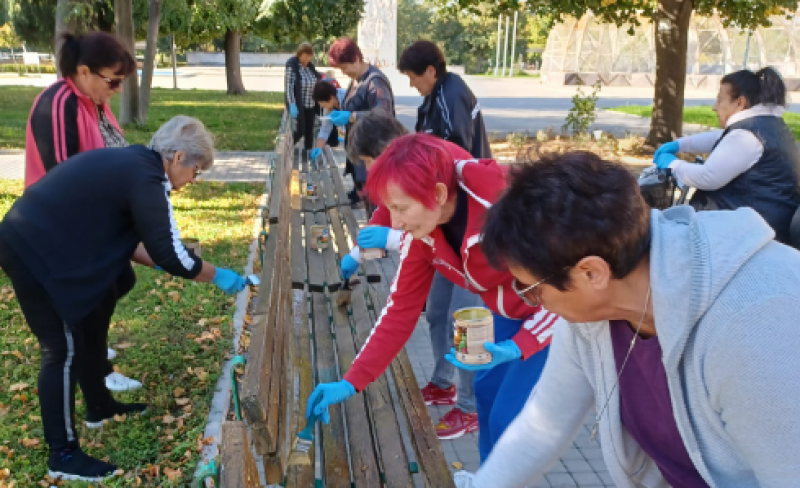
(754, 160)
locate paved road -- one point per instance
(509, 104)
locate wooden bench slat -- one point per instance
(336, 466)
(362, 451)
(237, 464)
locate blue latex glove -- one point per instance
(349, 267)
(315, 153)
(340, 117)
(327, 394)
(664, 160)
(158, 268)
(501, 353)
(228, 281)
(373, 237)
(667, 148)
(293, 110)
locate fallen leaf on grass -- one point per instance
(4, 473)
(182, 401)
(124, 345)
(13, 353)
(168, 419)
(173, 474)
(18, 387)
(120, 418)
(176, 297)
(29, 442)
(178, 392)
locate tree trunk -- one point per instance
(672, 36)
(62, 13)
(233, 69)
(174, 65)
(149, 58)
(129, 99)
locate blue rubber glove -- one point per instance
(158, 268)
(315, 153)
(293, 111)
(228, 281)
(672, 147)
(349, 267)
(373, 237)
(340, 117)
(501, 353)
(664, 160)
(327, 394)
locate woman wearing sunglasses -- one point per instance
(72, 116)
(440, 204)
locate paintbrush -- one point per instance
(345, 292)
(300, 455)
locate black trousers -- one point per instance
(304, 127)
(72, 354)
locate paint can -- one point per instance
(193, 244)
(374, 253)
(311, 191)
(320, 237)
(472, 328)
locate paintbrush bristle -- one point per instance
(300, 452)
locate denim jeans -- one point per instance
(444, 299)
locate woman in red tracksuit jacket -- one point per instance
(440, 204)
(72, 116)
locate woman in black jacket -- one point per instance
(301, 76)
(63, 245)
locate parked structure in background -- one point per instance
(585, 50)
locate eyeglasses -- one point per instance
(112, 84)
(523, 293)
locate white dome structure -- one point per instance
(583, 51)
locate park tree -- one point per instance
(151, 46)
(306, 20)
(129, 99)
(9, 39)
(671, 20)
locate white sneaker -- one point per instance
(118, 382)
(111, 354)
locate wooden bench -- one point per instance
(381, 437)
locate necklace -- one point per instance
(622, 368)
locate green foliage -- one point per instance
(583, 112)
(9, 37)
(292, 21)
(35, 20)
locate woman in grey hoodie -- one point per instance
(682, 337)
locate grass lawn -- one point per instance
(171, 334)
(240, 123)
(703, 115)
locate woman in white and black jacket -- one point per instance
(64, 243)
(754, 160)
(301, 76)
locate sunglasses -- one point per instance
(112, 84)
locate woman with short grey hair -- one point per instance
(63, 244)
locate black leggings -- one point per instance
(71, 353)
(304, 127)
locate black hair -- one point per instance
(763, 87)
(96, 50)
(323, 91)
(418, 56)
(562, 208)
(372, 134)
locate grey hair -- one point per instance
(187, 134)
(371, 134)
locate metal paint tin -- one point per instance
(472, 328)
(320, 237)
(311, 191)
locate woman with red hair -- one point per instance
(440, 203)
(369, 89)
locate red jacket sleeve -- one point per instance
(397, 320)
(536, 332)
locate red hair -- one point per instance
(414, 163)
(344, 50)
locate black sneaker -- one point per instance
(94, 420)
(74, 464)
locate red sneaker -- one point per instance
(434, 395)
(456, 423)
